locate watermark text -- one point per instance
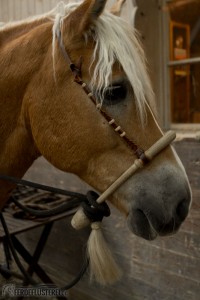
(13, 290)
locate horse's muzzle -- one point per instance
(149, 223)
(140, 225)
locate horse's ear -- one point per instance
(85, 15)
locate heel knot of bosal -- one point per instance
(93, 210)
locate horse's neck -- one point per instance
(14, 30)
(22, 49)
(21, 56)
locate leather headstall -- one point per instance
(76, 70)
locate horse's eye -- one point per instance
(115, 94)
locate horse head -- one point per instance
(71, 133)
(56, 119)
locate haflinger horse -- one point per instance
(43, 111)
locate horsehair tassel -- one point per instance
(80, 220)
(103, 267)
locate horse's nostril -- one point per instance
(182, 209)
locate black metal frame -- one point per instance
(31, 260)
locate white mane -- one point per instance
(115, 40)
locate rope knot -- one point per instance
(93, 210)
(96, 225)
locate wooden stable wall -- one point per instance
(19, 9)
(11, 10)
